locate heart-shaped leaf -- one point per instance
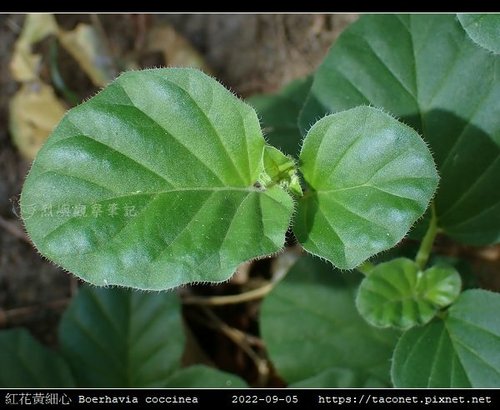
(122, 338)
(370, 178)
(425, 70)
(459, 351)
(483, 29)
(310, 325)
(399, 294)
(150, 184)
(27, 363)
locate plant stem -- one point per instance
(426, 245)
(241, 339)
(57, 79)
(253, 294)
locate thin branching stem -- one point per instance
(253, 294)
(241, 339)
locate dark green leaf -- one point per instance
(150, 184)
(279, 113)
(370, 178)
(24, 362)
(399, 294)
(203, 376)
(310, 325)
(339, 378)
(483, 29)
(425, 70)
(459, 351)
(122, 338)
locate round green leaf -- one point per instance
(27, 363)
(312, 312)
(425, 70)
(203, 376)
(399, 294)
(122, 338)
(439, 285)
(459, 351)
(150, 184)
(483, 29)
(370, 179)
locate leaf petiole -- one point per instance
(426, 245)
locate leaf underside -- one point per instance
(370, 179)
(150, 184)
(459, 351)
(425, 70)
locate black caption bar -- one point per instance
(250, 398)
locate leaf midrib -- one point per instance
(155, 196)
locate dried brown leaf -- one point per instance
(177, 51)
(24, 65)
(86, 47)
(33, 112)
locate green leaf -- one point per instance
(204, 376)
(459, 351)
(399, 294)
(150, 184)
(279, 113)
(439, 285)
(312, 311)
(425, 70)
(370, 179)
(483, 29)
(122, 338)
(27, 363)
(338, 378)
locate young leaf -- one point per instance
(27, 363)
(279, 168)
(122, 338)
(370, 178)
(204, 376)
(447, 89)
(150, 184)
(279, 113)
(399, 294)
(312, 311)
(459, 351)
(483, 29)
